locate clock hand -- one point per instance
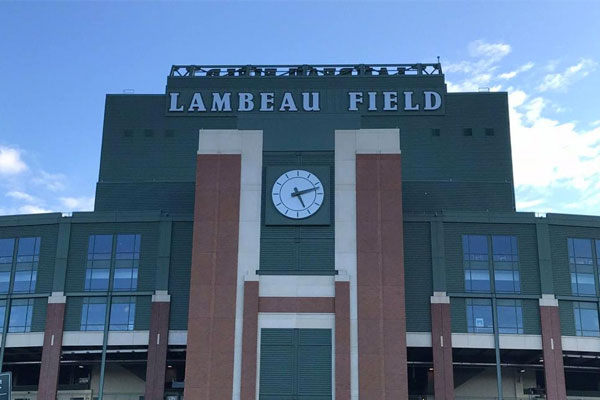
(297, 194)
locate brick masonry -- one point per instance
(211, 318)
(380, 278)
(51, 351)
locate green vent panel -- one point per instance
(295, 364)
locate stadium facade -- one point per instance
(302, 232)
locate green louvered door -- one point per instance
(295, 364)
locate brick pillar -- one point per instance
(249, 341)
(441, 343)
(211, 318)
(51, 351)
(554, 370)
(380, 278)
(342, 341)
(157, 346)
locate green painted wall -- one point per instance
(418, 276)
(437, 170)
(179, 274)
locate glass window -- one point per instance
(98, 262)
(479, 316)
(2, 313)
(122, 314)
(506, 264)
(127, 259)
(93, 314)
(476, 263)
(581, 266)
(586, 319)
(21, 311)
(28, 257)
(510, 316)
(6, 260)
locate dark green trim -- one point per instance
(62, 256)
(33, 219)
(438, 256)
(544, 256)
(514, 296)
(163, 259)
(100, 293)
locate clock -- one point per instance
(298, 194)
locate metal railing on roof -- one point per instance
(215, 71)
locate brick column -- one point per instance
(380, 278)
(157, 346)
(212, 307)
(249, 342)
(51, 351)
(441, 343)
(342, 341)
(554, 370)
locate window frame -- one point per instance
(575, 267)
(577, 316)
(495, 261)
(115, 260)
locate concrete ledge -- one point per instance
(30, 339)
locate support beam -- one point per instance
(249, 342)
(380, 276)
(554, 370)
(51, 351)
(214, 274)
(158, 346)
(342, 341)
(441, 341)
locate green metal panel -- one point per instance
(297, 249)
(560, 256)
(527, 245)
(567, 318)
(80, 234)
(143, 310)
(458, 315)
(295, 364)
(314, 364)
(135, 132)
(531, 317)
(49, 238)
(418, 276)
(179, 273)
(277, 364)
(73, 313)
(38, 319)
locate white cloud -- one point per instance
(595, 123)
(11, 162)
(494, 51)
(31, 209)
(522, 205)
(561, 80)
(52, 182)
(15, 194)
(480, 72)
(512, 74)
(78, 203)
(547, 152)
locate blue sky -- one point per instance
(59, 59)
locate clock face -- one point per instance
(297, 194)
